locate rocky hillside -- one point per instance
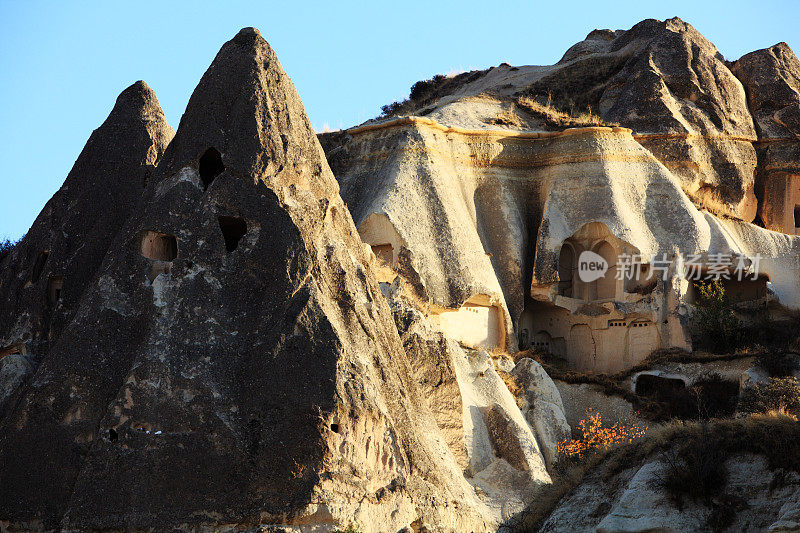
(242, 325)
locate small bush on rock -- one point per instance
(781, 395)
(694, 469)
(718, 324)
(596, 438)
(6, 246)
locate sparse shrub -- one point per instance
(694, 469)
(425, 92)
(777, 363)
(543, 109)
(719, 326)
(392, 109)
(423, 88)
(596, 438)
(781, 395)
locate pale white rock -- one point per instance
(543, 409)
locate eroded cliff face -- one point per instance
(505, 215)
(771, 78)
(493, 204)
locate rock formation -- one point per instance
(771, 78)
(203, 334)
(233, 361)
(631, 500)
(43, 280)
(495, 208)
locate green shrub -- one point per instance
(425, 92)
(778, 395)
(718, 324)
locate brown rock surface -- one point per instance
(43, 280)
(771, 78)
(233, 361)
(671, 86)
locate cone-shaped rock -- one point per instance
(234, 361)
(44, 278)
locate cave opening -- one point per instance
(210, 166)
(55, 286)
(38, 267)
(233, 229)
(159, 246)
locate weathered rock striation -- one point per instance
(495, 208)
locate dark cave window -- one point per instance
(38, 267)
(54, 288)
(797, 216)
(159, 246)
(210, 166)
(233, 229)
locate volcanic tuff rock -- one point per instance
(671, 86)
(662, 79)
(474, 410)
(771, 78)
(492, 208)
(233, 361)
(223, 350)
(43, 279)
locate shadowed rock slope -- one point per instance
(234, 361)
(43, 279)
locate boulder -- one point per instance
(544, 410)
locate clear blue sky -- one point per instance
(62, 64)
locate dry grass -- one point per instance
(554, 118)
(507, 118)
(511, 382)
